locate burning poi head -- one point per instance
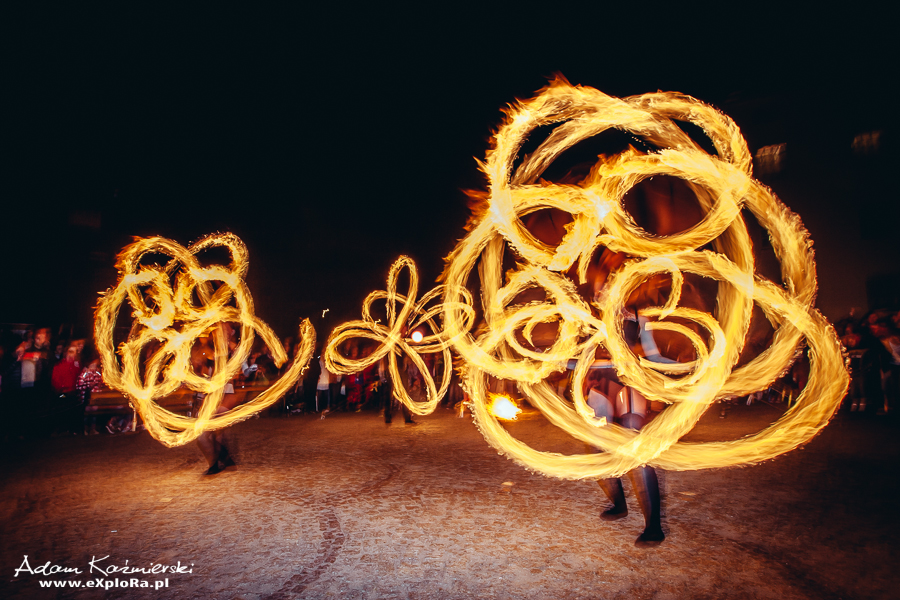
(173, 306)
(717, 247)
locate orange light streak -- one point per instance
(404, 314)
(723, 185)
(166, 314)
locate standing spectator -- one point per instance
(89, 381)
(323, 386)
(67, 409)
(860, 357)
(28, 381)
(34, 362)
(353, 383)
(66, 372)
(890, 363)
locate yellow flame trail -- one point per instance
(404, 315)
(723, 185)
(172, 319)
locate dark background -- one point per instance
(333, 140)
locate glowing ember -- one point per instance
(723, 186)
(504, 408)
(167, 317)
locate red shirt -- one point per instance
(65, 376)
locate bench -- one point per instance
(111, 402)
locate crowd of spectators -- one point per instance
(873, 346)
(47, 379)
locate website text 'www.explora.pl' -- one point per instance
(102, 574)
(106, 584)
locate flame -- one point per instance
(167, 315)
(718, 247)
(404, 314)
(503, 407)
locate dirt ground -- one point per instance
(349, 507)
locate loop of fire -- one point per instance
(403, 332)
(178, 309)
(634, 269)
(570, 278)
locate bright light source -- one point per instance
(504, 408)
(417, 336)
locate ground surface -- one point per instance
(349, 507)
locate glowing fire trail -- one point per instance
(404, 315)
(723, 186)
(172, 320)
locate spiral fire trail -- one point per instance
(717, 248)
(723, 185)
(404, 314)
(165, 313)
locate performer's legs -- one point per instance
(407, 415)
(212, 443)
(646, 488)
(603, 407)
(613, 489)
(644, 481)
(323, 399)
(387, 397)
(334, 396)
(209, 447)
(224, 456)
(631, 411)
(389, 410)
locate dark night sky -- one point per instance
(333, 141)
